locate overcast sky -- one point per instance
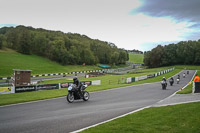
(129, 24)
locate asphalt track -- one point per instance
(59, 116)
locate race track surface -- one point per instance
(58, 116)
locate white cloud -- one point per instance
(99, 19)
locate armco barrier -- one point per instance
(97, 82)
(142, 77)
(150, 76)
(19, 89)
(56, 74)
(134, 79)
(128, 80)
(47, 87)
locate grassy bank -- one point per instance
(136, 58)
(10, 60)
(182, 118)
(107, 82)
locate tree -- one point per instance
(156, 56)
(24, 42)
(2, 39)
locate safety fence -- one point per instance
(134, 79)
(60, 74)
(29, 88)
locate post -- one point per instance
(13, 89)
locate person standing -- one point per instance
(196, 79)
(197, 84)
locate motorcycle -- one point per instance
(184, 75)
(164, 85)
(73, 93)
(171, 82)
(178, 80)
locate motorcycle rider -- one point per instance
(78, 85)
(178, 79)
(171, 81)
(183, 75)
(164, 83)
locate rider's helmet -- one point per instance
(75, 79)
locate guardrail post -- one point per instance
(59, 85)
(12, 89)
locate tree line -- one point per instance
(64, 48)
(184, 52)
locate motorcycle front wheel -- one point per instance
(86, 96)
(70, 97)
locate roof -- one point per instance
(21, 70)
(104, 66)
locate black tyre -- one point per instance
(86, 96)
(70, 97)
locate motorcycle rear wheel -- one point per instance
(70, 97)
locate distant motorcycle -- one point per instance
(73, 93)
(171, 81)
(183, 75)
(164, 84)
(178, 80)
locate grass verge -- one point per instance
(170, 119)
(187, 90)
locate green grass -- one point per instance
(136, 58)
(183, 118)
(10, 60)
(6, 99)
(187, 90)
(188, 67)
(105, 84)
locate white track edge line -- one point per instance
(176, 103)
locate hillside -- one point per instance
(63, 48)
(136, 58)
(10, 59)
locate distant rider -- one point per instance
(164, 79)
(164, 83)
(171, 80)
(183, 75)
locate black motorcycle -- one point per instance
(74, 94)
(171, 81)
